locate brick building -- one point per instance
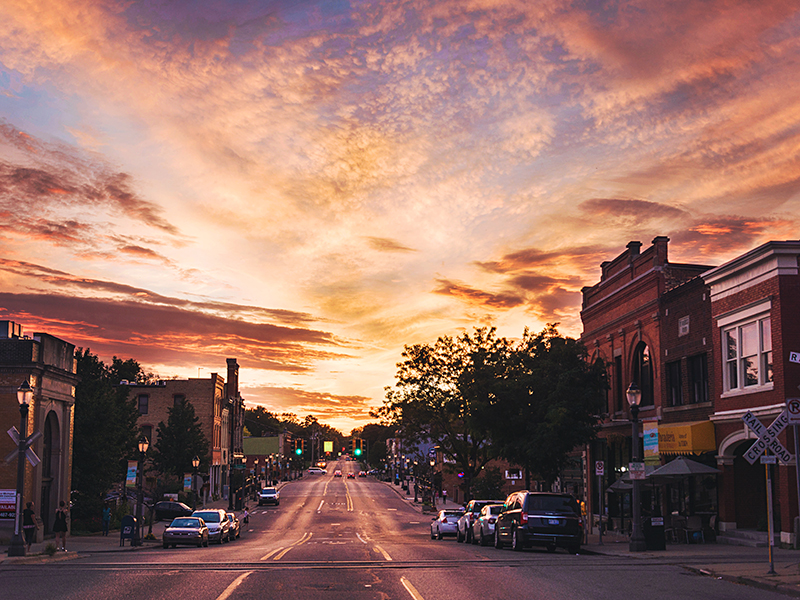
(754, 307)
(649, 320)
(218, 406)
(48, 364)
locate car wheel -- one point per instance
(439, 535)
(205, 544)
(497, 542)
(200, 545)
(459, 537)
(483, 540)
(433, 535)
(469, 535)
(551, 548)
(516, 541)
(166, 546)
(476, 538)
(219, 541)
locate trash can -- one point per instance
(654, 536)
(127, 530)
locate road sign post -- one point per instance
(600, 470)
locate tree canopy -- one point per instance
(180, 440)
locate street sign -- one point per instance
(636, 470)
(599, 467)
(793, 410)
(794, 357)
(29, 441)
(767, 437)
(768, 459)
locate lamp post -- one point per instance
(195, 464)
(637, 543)
(433, 495)
(144, 444)
(24, 396)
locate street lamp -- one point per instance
(24, 396)
(433, 496)
(637, 543)
(195, 464)
(144, 444)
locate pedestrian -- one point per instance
(60, 526)
(29, 524)
(106, 518)
(246, 516)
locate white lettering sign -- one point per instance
(767, 438)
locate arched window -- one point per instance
(643, 372)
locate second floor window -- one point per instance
(674, 384)
(698, 378)
(747, 348)
(144, 402)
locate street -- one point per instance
(357, 539)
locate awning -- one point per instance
(686, 438)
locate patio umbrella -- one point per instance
(620, 487)
(682, 467)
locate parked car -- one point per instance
(483, 527)
(166, 510)
(445, 523)
(234, 528)
(316, 471)
(540, 519)
(269, 495)
(471, 512)
(185, 530)
(218, 524)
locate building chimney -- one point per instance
(233, 378)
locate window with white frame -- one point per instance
(747, 347)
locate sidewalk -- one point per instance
(97, 543)
(740, 564)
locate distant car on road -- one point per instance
(218, 524)
(351, 475)
(269, 495)
(185, 530)
(362, 473)
(445, 523)
(337, 473)
(166, 510)
(471, 512)
(316, 471)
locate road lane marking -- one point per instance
(349, 498)
(382, 551)
(230, 589)
(321, 502)
(266, 556)
(306, 536)
(363, 541)
(411, 589)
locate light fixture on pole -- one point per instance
(24, 397)
(144, 444)
(637, 542)
(195, 464)
(433, 496)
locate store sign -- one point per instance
(8, 504)
(636, 470)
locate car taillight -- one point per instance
(523, 518)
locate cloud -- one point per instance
(387, 245)
(475, 297)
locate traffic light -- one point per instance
(357, 446)
(299, 446)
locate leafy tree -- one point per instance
(546, 403)
(260, 422)
(105, 431)
(443, 393)
(179, 441)
(489, 486)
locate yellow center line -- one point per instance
(266, 556)
(382, 551)
(306, 536)
(349, 498)
(230, 589)
(411, 589)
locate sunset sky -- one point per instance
(307, 186)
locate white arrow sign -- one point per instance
(767, 438)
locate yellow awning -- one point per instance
(686, 438)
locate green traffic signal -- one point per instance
(298, 451)
(357, 452)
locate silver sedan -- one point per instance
(445, 523)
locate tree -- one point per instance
(105, 429)
(179, 441)
(489, 486)
(547, 403)
(443, 393)
(260, 422)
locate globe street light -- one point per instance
(144, 444)
(637, 543)
(24, 396)
(433, 496)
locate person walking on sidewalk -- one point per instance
(29, 524)
(60, 527)
(106, 518)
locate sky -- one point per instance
(309, 186)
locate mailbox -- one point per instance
(127, 530)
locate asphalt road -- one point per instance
(334, 538)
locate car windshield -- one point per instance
(211, 517)
(185, 523)
(552, 504)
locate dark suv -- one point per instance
(540, 519)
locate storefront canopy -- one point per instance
(686, 438)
